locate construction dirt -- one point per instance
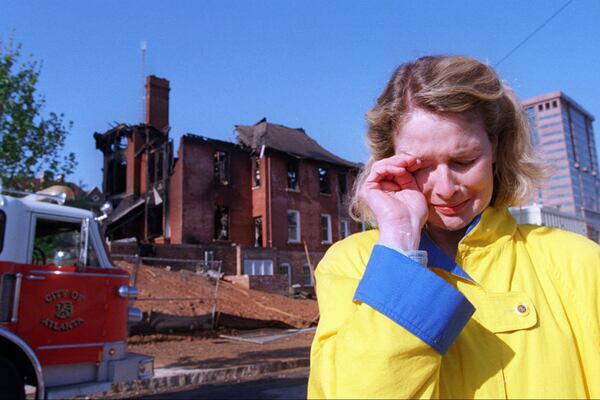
(178, 314)
(200, 351)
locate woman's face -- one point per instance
(456, 173)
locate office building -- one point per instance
(562, 132)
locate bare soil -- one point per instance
(195, 351)
(184, 294)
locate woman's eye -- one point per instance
(465, 163)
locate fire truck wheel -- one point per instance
(11, 381)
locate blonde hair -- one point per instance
(455, 84)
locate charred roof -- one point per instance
(288, 140)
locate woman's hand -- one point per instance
(391, 192)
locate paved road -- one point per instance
(283, 385)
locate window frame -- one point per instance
(288, 267)
(346, 223)
(306, 267)
(298, 234)
(254, 263)
(329, 238)
(94, 239)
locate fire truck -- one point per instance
(64, 306)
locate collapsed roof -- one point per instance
(292, 141)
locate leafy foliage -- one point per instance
(31, 144)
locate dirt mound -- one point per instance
(184, 294)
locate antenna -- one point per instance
(143, 49)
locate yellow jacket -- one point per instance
(391, 330)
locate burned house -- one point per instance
(267, 205)
(138, 162)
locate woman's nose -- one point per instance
(445, 184)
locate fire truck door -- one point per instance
(64, 298)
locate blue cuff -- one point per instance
(414, 297)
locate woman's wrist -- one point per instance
(400, 239)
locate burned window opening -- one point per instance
(119, 143)
(154, 220)
(116, 176)
(324, 180)
(151, 167)
(256, 171)
(258, 237)
(222, 223)
(122, 142)
(155, 166)
(159, 166)
(292, 174)
(221, 167)
(342, 184)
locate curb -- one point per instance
(169, 378)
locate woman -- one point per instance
(449, 297)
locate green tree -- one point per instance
(31, 144)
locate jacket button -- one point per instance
(522, 309)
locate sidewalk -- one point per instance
(191, 362)
(167, 379)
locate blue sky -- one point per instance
(318, 65)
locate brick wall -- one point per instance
(175, 212)
(229, 255)
(201, 194)
(308, 201)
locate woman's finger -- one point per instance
(388, 186)
(385, 172)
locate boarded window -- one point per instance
(324, 180)
(222, 223)
(221, 166)
(292, 174)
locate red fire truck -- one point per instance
(64, 307)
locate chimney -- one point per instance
(157, 102)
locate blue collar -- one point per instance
(437, 258)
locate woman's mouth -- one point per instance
(451, 209)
